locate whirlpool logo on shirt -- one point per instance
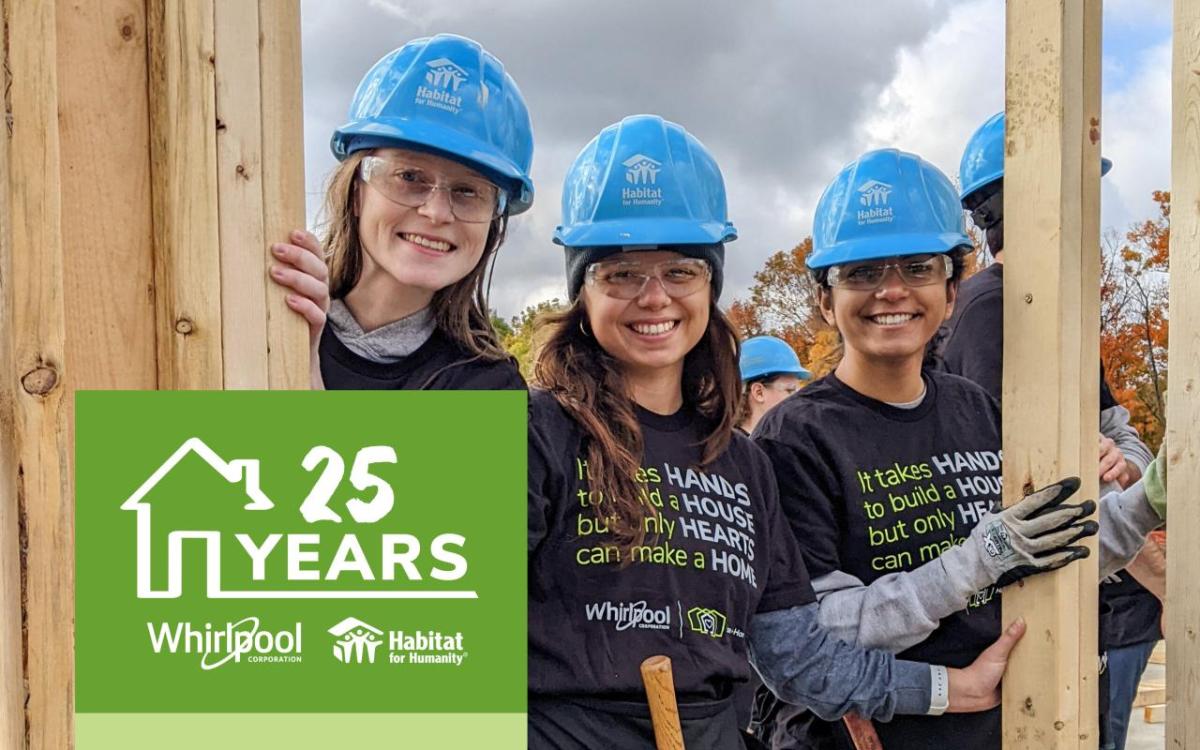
(626, 615)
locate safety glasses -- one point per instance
(624, 279)
(471, 200)
(917, 270)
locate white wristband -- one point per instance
(939, 698)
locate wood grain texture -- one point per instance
(37, 336)
(283, 179)
(660, 694)
(1051, 176)
(240, 194)
(184, 193)
(1183, 402)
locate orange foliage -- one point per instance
(1133, 319)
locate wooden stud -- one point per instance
(1052, 92)
(12, 675)
(184, 193)
(1183, 402)
(38, 336)
(283, 179)
(240, 186)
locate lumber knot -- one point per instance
(39, 381)
(184, 326)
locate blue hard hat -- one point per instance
(886, 203)
(448, 96)
(983, 159)
(767, 355)
(644, 181)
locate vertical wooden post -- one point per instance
(37, 333)
(12, 674)
(184, 193)
(1183, 401)
(119, 233)
(1050, 381)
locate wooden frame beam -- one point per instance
(1183, 402)
(1051, 356)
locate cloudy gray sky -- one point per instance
(783, 94)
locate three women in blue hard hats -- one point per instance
(889, 472)
(771, 372)
(435, 158)
(654, 528)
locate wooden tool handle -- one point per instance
(862, 732)
(664, 711)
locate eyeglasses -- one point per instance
(987, 210)
(921, 270)
(471, 200)
(623, 279)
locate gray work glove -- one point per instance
(1035, 535)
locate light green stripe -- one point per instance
(297, 731)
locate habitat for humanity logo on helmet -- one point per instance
(626, 615)
(873, 194)
(643, 171)
(444, 77)
(244, 640)
(356, 641)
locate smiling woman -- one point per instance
(435, 158)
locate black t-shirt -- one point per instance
(971, 344)
(440, 364)
(870, 489)
(1135, 612)
(717, 551)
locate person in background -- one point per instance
(973, 346)
(771, 372)
(434, 159)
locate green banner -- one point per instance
(299, 552)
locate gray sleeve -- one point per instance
(1114, 424)
(1125, 519)
(806, 666)
(895, 611)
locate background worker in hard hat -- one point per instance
(888, 471)
(973, 346)
(654, 528)
(435, 158)
(771, 372)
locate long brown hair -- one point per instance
(589, 383)
(460, 310)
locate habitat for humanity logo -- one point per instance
(643, 171)
(873, 194)
(444, 77)
(706, 621)
(356, 640)
(626, 615)
(219, 645)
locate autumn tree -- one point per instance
(1133, 316)
(524, 331)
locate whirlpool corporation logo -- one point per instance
(626, 615)
(873, 195)
(244, 640)
(356, 640)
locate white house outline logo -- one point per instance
(355, 640)
(874, 193)
(445, 74)
(236, 470)
(641, 170)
